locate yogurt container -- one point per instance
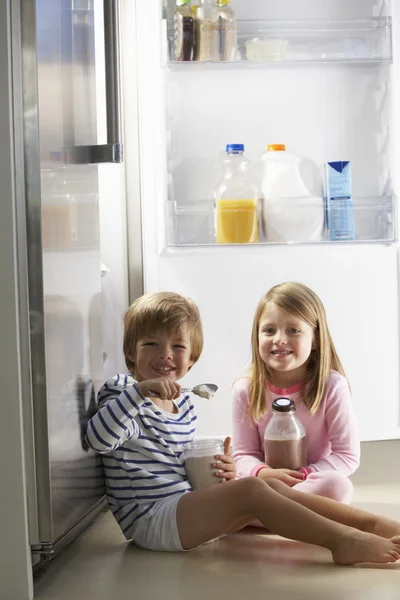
(199, 457)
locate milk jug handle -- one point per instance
(313, 170)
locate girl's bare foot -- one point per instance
(360, 547)
(384, 527)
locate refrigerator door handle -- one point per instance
(113, 70)
(112, 152)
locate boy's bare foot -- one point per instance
(361, 547)
(384, 527)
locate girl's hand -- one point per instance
(226, 465)
(288, 476)
(163, 387)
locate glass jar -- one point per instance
(285, 440)
(184, 31)
(206, 23)
(199, 457)
(227, 31)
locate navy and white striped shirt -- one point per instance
(141, 446)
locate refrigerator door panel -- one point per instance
(67, 360)
(23, 34)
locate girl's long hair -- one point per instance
(301, 302)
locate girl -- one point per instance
(293, 356)
(141, 439)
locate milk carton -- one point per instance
(339, 201)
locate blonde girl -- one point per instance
(293, 355)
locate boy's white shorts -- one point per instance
(158, 530)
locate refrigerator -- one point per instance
(332, 96)
(71, 247)
(100, 221)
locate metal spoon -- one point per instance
(203, 390)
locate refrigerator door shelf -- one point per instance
(374, 222)
(316, 41)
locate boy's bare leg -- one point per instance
(206, 514)
(341, 513)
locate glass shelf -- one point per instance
(269, 42)
(374, 222)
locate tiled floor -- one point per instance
(100, 565)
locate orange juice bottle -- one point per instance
(236, 201)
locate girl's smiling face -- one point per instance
(285, 343)
(162, 355)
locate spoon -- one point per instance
(203, 390)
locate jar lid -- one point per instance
(276, 148)
(283, 405)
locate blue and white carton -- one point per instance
(339, 201)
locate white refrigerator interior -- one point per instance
(332, 98)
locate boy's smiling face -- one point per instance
(162, 354)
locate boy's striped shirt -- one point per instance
(141, 446)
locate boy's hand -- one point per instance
(226, 465)
(162, 387)
(288, 476)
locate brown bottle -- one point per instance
(184, 31)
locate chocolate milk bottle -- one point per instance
(285, 443)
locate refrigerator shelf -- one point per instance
(374, 222)
(366, 41)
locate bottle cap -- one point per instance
(224, 2)
(276, 148)
(235, 147)
(283, 405)
(182, 2)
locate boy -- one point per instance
(142, 439)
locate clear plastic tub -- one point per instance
(199, 457)
(263, 50)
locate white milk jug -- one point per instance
(293, 204)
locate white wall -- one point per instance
(15, 566)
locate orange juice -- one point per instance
(237, 221)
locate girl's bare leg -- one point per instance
(206, 514)
(341, 513)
